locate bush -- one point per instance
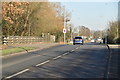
(118, 40)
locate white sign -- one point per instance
(64, 30)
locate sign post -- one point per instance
(64, 31)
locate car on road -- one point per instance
(71, 41)
(78, 40)
(93, 41)
(99, 40)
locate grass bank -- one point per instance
(15, 50)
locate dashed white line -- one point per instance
(72, 50)
(77, 48)
(17, 73)
(38, 65)
(57, 57)
(43, 63)
(65, 53)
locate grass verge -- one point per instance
(15, 50)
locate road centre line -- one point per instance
(43, 63)
(57, 57)
(65, 53)
(38, 65)
(17, 73)
(77, 48)
(72, 50)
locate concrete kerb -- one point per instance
(114, 46)
(110, 47)
(106, 74)
(13, 54)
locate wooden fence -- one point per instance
(26, 39)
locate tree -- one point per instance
(32, 18)
(13, 13)
(112, 32)
(84, 31)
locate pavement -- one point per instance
(114, 62)
(114, 46)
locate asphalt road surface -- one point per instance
(62, 61)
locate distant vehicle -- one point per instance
(93, 41)
(78, 40)
(71, 42)
(99, 40)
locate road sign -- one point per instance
(64, 30)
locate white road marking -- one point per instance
(72, 50)
(57, 57)
(37, 65)
(65, 53)
(77, 48)
(17, 73)
(43, 63)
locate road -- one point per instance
(62, 61)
